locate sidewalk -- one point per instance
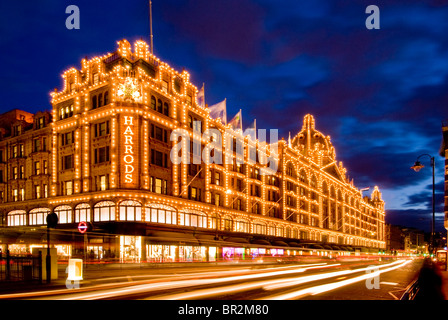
(444, 277)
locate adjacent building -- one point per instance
(128, 149)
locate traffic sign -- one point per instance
(82, 226)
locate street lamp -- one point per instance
(417, 167)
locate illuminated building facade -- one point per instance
(108, 154)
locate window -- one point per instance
(159, 185)
(101, 155)
(194, 193)
(37, 193)
(17, 130)
(17, 218)
(94, 102)
(161, 214)
(67, 138)
(290, 170)
(100, 100)
(159, 133)
(218, 178)
(101, 129)
(15, 195)
(242, 226)
(153, 103)
(36, 145)
(193, 220)
(45, 187)
(166, 109)
(67, 162)
(164, 85)
(22, 172)
(64, 214)
(238, 205)
(82, 212)
(106, 98)
(104, 211)
(259, 228)
(40, 122)
(38, 216)
(96, 78)
(130, 211)
(45, 162)
(15, 173)
(217, 199)
(159, 106)
(17, 151)
(68, 188)
(65, 112)
(159, 158)
(104, 182)
(37, 168)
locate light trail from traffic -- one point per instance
(331, 286)
(269, 284)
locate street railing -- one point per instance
(20, 267)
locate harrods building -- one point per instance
(103, 156)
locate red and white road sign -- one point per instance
(82, 226)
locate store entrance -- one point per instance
(130, 248)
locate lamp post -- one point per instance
(417, 167)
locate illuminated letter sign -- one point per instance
(128, 157)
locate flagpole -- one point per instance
(150, 26)
(241, 121)
(225, 111)
(255, 127)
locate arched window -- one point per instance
(16, 218)
(193, 219)
(64, 214)
(38, 216)
(106, 98)
(100, 100)
(130, 210)
(159, 213)
(241, 226)
(159, 106)
(280, 231)
(228, 223)
(313, 182)
(302, 176)
(271, 230)
(94, 102)
(153, 103)
(104, 211)
(82, 212)
(259, 228)
(166, 109)
(290, 170)
(332, 192)
(325, 188)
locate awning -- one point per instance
(260, 241)
(279, 243)
(162, 237)
(294, 244)
(236, 239)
